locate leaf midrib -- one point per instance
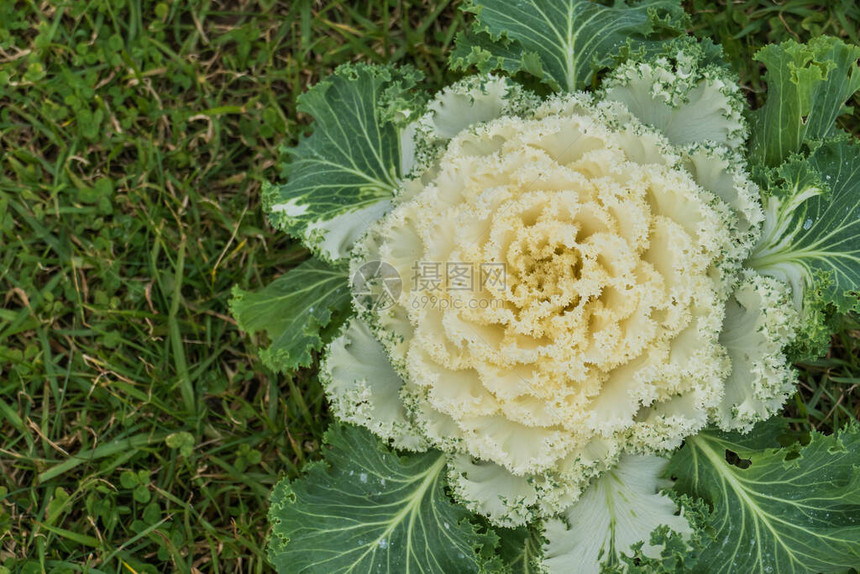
(410, 508)
(758, 514)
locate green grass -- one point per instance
(138, 433)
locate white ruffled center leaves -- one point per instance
(688, 102)
(471, 101)
(363, 387)
(760, 322)
(491, 490)
(721, 171)
(605, 326)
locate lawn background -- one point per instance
(138, 432)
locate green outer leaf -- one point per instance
(563, 42)
(366, 509)
(352, 159)
(677, 555)
(808, 85)
(519, 549)
(814, 240)
(781, 514)
(293, 310)
(479, 49)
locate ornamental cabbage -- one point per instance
(617, 252)
(550, 293)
